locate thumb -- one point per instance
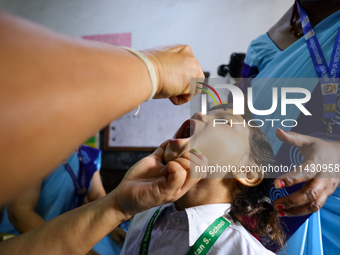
(159, 152)
(179, 100)
(178, 174)
(293, 138)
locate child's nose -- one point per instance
(199, 116)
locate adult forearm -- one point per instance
(55, 92)
(73, 233)
(147, 184)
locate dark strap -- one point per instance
(79, 183)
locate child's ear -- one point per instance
(250, 175)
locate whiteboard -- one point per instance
(157, 121)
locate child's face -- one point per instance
(222, 144)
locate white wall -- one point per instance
(214, 28)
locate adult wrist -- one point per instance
(151, 70)
(116, 209)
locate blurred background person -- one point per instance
(75, 182)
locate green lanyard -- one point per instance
(203, 243)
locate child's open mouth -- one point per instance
(186, 130)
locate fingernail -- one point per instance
(279, 185)
(279, 207)
(282, 184)
(197, 151)
(282, 130)
(282, 214)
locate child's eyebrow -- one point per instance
(237, 117)
(227, 114)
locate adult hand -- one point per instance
(118, 235)
(319, 185)
(150, 183)
(174, 66)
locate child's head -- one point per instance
(222, 144)
(240, 146)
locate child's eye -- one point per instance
(223, 118)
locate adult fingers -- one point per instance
(184, 98)
(194, 89)
(159, 152)
(178, 180)
(309, 199)
(298, 176)
(293, 138)
(304, 209)
(178, 100)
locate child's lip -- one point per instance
(178, 142)
(182, 133)
(179, 145)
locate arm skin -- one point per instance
(21, 211)
(57, 91)
(75, 232)
(97, 191)
(147, 184)
(58, 85)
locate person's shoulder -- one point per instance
(237, 240)
(259, 41)
(259, 47)
(258, 50)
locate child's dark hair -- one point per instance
(250, 205)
